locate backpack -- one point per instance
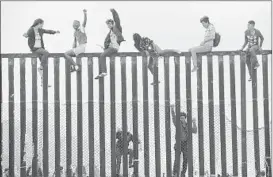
(216, 40)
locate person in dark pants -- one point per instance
(112, 42)
(152, 50)
(36, 43)
(119, 150)
(183, 140)
(252, 36)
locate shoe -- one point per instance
(77, 68)
(155, 83)
(194, 69)
(257, 65)
(101, 75)
(250, 79)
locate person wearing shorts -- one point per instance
(79, 44)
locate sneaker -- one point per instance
(257, 65)
(194, 69)
(101, 75)
(72, 68)
(250, 79)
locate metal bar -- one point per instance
(91, 118)
(167, 118)
(189, 114)
(177, 110)
(211, 114)
(57, 116)
(79, 118)
(68, 120)
(34, 118)
(102, 128)
(233, 116)
(243, 115)
(222, 115)
(135, 114)
(255, 121)
(11, 117)
(146, 117)
(45, 119)
(113, 115)
(266, 116)
(124, 116)
(23, 115)
(200, 116)
(157, 120)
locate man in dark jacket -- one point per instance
(183, 140)
(111, 43)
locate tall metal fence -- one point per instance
(73, 123)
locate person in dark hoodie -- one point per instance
(36, 43)
(112, 42)
(183, 141)
(152, 50)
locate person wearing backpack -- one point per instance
(211, 39)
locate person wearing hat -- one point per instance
(36, 43)
(183, 140)
(112, 42)
(252, 36)
(79, 44)
(207, 44)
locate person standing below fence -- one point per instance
(79, 43)
(207, 44)
(183, 141)
(36, 43)
(252, 36)
(112, 42)
(152, 50)
(119, 150)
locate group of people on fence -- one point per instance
(113, 40)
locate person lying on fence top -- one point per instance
(119, 149)
(35, 40)
(152, 50)
(252, 36)
(183, 140)
(79, 43)
(112, 42)
(207, 44)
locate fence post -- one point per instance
(146, 117)
(11, 116)
(266, 116)
(23, 115)
(91, 117)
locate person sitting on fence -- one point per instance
(252, 36)
(207, 44)
(152, 50)
(119, 150)
(183, 141)
(79, 43)
(112, 42)
(36, 43)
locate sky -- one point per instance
(173, 25)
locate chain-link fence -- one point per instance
(29, 145)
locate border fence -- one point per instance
(51, 130)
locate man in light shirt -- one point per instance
(206, 45)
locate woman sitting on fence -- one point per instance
(152, 50)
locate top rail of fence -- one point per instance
(130, 54)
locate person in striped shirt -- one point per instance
(252, 36)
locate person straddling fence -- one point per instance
(119, 150)
(207, 44)
(36, 43)
(112, 42)
(183, 141)
(252, 36)
(152, 50)
(79, 43)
